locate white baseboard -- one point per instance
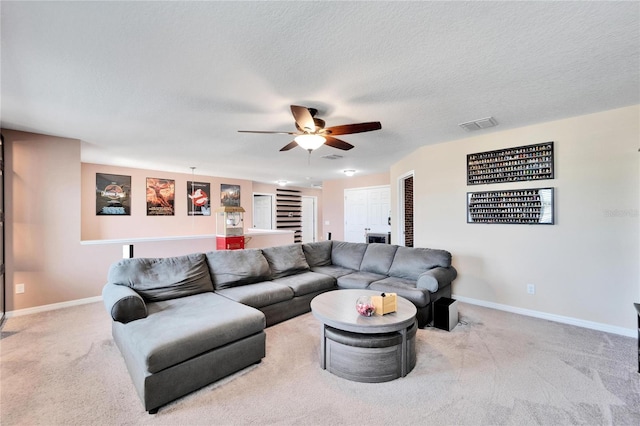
(629, 332)
(53, 306)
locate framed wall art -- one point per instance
(517, 206)
(198, 202)
(522, 163)
(160, 197)
(113, 195)
(229, 195)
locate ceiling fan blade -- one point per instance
(347, 129)
(267, 131)
(289, 146)
(303, 118)
(337, 143)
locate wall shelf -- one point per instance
(523, 163)
(517, 206)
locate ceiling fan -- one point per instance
(312, 134)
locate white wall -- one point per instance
(586, 265)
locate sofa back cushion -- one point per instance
(231, 268)
(318, 253)
(286, 260)
(348, 255)
(378, 258)
(166, 278)
(410, 262)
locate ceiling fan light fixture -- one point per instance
(349, 172)
(310, 142)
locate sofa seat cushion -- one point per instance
(347, 255)
(378, 258)
(258, 294)
(404, 288)
(358, 280)
(230, 268)
(179, 329)
(317, 253)
(307, 282)
(334, 271)
(285, 260)
(409, 263)
(165, 278)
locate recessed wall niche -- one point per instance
(522, 163)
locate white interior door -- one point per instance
(309, 219)
(263, 211)
(378, 205)
(366, 210)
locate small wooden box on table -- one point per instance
(385, 303)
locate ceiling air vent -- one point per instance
(332, 157)
(482, 123)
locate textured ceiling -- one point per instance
(166, 85)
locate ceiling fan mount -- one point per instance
(312, 133)
(319, 125)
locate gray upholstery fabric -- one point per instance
(229, 268)
(123, 303)
(166, 278)
(179, 329)
(307, 282)
(285, 260)
(411, 262)
(318, 253)
(433, 278)
(378, 258)
(347, 255)
(258, 294)
(359, 280)
(333, 270)
(403, 287)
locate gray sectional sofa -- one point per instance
(184, 322)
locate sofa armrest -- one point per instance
(123, 303)
(435, 278)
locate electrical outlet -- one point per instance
(20, 288)
(531, 289)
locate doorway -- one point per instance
(309, 219)
(366, 210)
(264, 206)
(405, 210)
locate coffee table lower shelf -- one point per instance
(370, 358)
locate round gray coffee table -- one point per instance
(371, 349)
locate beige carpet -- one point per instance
(62, 368)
